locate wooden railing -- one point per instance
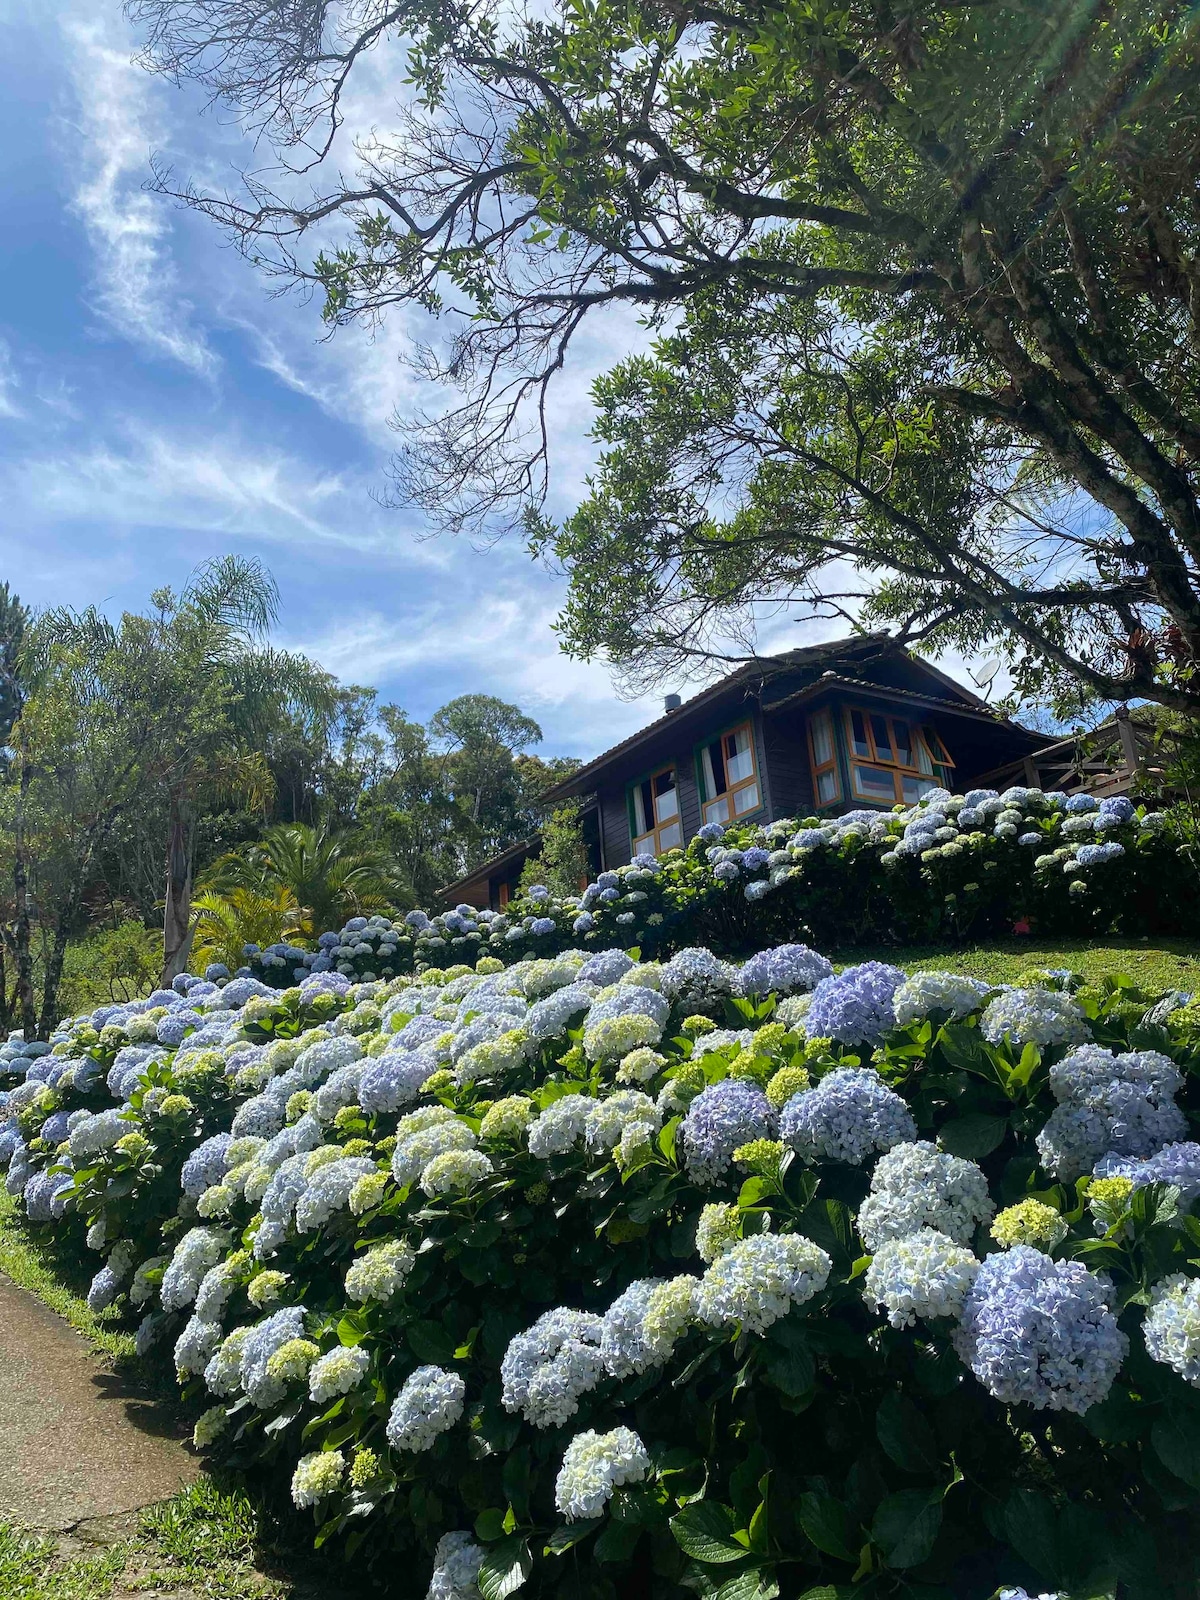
(1119, 757)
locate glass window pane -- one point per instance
(746, 799)
(822, 739)
(911, 789)
(902, 743)
(827, 787)
(713, 767)
(717, 810)
(858, 734)
(643, 808)
(874, 783)
(924, 764)
(879, 732)
(670, 836)
(667, 805)
(740, 755)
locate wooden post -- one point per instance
(1129, 749)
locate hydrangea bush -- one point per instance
(597, 1276)
(980, 863)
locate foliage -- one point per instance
(109, 966)
(929, 1466)
(940, 870)
(561, 864)
(227, 922)
(14, 619)
(922, 286)
(322, 875)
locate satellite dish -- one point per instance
(985, 675)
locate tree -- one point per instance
(562, 863)
(189, 691)
(481, 736)
(925, 280)
(14, 619)
(327, 876)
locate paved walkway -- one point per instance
(79, 1443)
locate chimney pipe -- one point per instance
(672, 702)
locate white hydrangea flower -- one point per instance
(719, 1228)
(560, 1125)
(340, 1370)
(455, 1172)
(1043, 1017)
(918, 1186)
(760, 1279)
(317, 1476)
(430, 1402)
(922, 1274)
(548, 1367)
(608, 1119)
(937, 991)
(380, 1273)
(670, 1312)
(1172, 1326)
(456, 1564)
(593, 1466)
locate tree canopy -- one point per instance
(922, 283)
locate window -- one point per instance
(827, 785)
(654, 818)
(728, 779)
(893, 759)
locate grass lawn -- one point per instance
(1159, 964)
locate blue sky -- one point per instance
(158, 406)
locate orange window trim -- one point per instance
(820, 768)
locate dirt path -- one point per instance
(79, 1443)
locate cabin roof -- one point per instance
(818, 660)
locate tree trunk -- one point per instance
(54, 966)
(178, 909)
(21, 934)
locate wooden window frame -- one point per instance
(730, 793)
(820, 768)
(939, 769)
(640, 842)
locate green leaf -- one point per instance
(1176, 1440)
(1031, 1523)
(505, 1569)
(569, 1534)
(617, 1542)
(792, 1371)
(906, 1525)
(829, 1525)
(906, 1435)
(973, 1136)
(430, 1342)
(489, 1525)
(751, 1585)
(705, 1531)
(352, 1328)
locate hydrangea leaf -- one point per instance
(505, 1569)
(973, 1136)
(906, 1525)
(705, 1531)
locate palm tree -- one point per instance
(328, 875)
(223, 924)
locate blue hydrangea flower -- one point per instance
(1040, 1332)
(855, 1006)
(849, 1116)
(720, 1119)
(1177, 1164)
(786, 969)
(548, 1368)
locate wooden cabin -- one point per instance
(830, 728)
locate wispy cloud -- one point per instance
(9, 383)
(136, 287)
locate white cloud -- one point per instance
(9, 382)
(136, 288)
